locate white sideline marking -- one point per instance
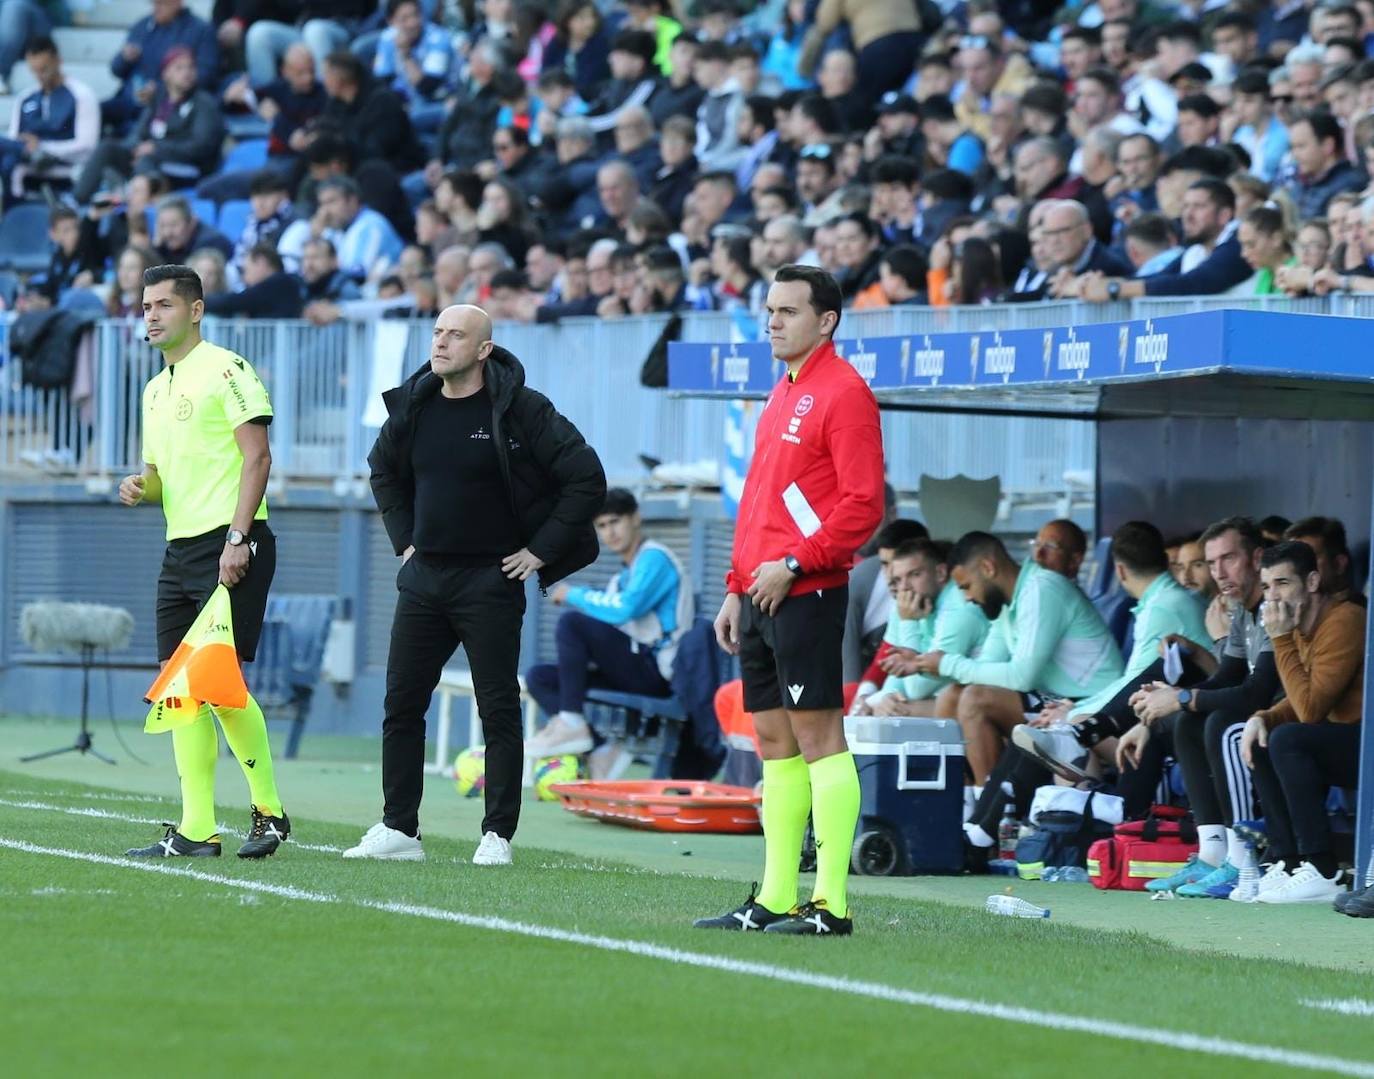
(1344, 1006)
(1197, 1043)
(103, 814)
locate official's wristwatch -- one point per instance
(793, 566)
(235, 538)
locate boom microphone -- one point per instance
(147, 339)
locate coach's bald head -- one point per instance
(462, 341)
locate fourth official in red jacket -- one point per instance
(813, 496)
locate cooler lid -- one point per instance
(890, 730)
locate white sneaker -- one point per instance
(387, 844)
(493, 850)
(1276, 876)
(1306, 885)
(560, 737)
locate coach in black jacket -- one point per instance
(481, 484)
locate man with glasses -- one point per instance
(1071, 248)
(1060, 547)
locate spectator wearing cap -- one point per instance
(1258, 131)
(269, 290)
(984, 70)
(885, 35)
(1152, 246)
(895, 182)
(680, 95)
(177, 135)
(674, 179)
(414, 58)
(634, 79)
(898, 128)
(949, 145)
(717, 144)
(1316, 142)
(139, 63)
(581, 46)
(1209, 225)
(901, 279)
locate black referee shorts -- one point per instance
(190, 572)
(793, 659)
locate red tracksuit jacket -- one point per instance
(815, 485)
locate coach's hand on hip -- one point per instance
(522, 565)
(233, 564)
(772, 582)
(131, 490)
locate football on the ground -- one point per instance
(553, 770)
(470, 772)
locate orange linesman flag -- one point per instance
(204, 669)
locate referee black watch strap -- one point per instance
(235, 538)
(793, 566)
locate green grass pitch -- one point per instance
(580, 959)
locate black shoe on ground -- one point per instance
(1357, 904)
(176, 845)
(812, 920)
(266, 835)
(747, 917)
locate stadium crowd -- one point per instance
(611, 158)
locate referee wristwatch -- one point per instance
(793, 566)
(235, 538)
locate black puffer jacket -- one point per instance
(556, 483)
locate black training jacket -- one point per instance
(555, 480)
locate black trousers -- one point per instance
(1208, 750)
(1292, 776)
(440, 607)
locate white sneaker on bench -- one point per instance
(387, 844)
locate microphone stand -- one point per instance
(82, 744)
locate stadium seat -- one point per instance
(24, 238)
(245, 156)
(950, 507)
(244, 126)
(9, 288)
(290, 653)
(206, 210)
(233, 215)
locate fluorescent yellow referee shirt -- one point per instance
(190, 411)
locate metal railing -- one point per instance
(322, 380)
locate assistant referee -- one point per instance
(206, 460)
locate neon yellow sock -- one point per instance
(245, 730)
(834, 816)
(786, 805)
(194, 746)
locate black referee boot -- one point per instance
(812, 920)
(747, 917)
(176, 845)
(266, 835)
(1356, 904)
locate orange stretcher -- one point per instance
(665, 805)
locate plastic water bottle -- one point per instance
(1008, 832)
(1012, 907)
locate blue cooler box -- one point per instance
(911, 772)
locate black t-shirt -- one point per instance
(462, 508)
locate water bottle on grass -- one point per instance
(1012, 907)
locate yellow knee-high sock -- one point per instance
(834, 816)
(194, 746)
(245, 730)
(786, 805)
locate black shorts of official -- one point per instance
(794, 659)
(190, 572)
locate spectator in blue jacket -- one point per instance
(138, 65)
(415, 59)
(366, 242)
(1317, 144)
(623, 637)
(1209, 225)
(53, 128)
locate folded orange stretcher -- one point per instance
(665, 805)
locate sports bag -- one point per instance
(1061, 838)
(1143, 850)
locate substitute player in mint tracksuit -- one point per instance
(813, 496)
